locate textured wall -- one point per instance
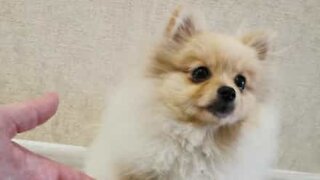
(79, 48)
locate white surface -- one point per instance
(293, 175)
(74, 156)
(67, 154)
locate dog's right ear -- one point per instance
(183, 24)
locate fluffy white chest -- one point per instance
(177, 163)
(189, 153)
(186, 153)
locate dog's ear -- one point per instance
(259, 41)
(183, 24)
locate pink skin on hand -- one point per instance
(18, 163)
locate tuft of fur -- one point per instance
(157, 124)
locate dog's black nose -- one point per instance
(226, 93)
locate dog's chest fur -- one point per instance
(186, 152)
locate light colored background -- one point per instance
(79, 48)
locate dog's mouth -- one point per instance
(221, 109)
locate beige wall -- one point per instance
(78, 47)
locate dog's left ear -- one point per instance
(184, 24)
(259, 41)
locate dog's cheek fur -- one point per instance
(176, 91)
(246, 107)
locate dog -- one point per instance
(199, 109)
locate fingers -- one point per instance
(41, 166)
(24, 116)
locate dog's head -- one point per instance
(206, 77)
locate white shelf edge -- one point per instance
(74, 156)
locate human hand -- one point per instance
(18, 163)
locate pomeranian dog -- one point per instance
(198, 110)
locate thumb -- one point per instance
(20, 117)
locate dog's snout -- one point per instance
(226, 93)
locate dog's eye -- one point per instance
(200, 74)
(240, 81)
